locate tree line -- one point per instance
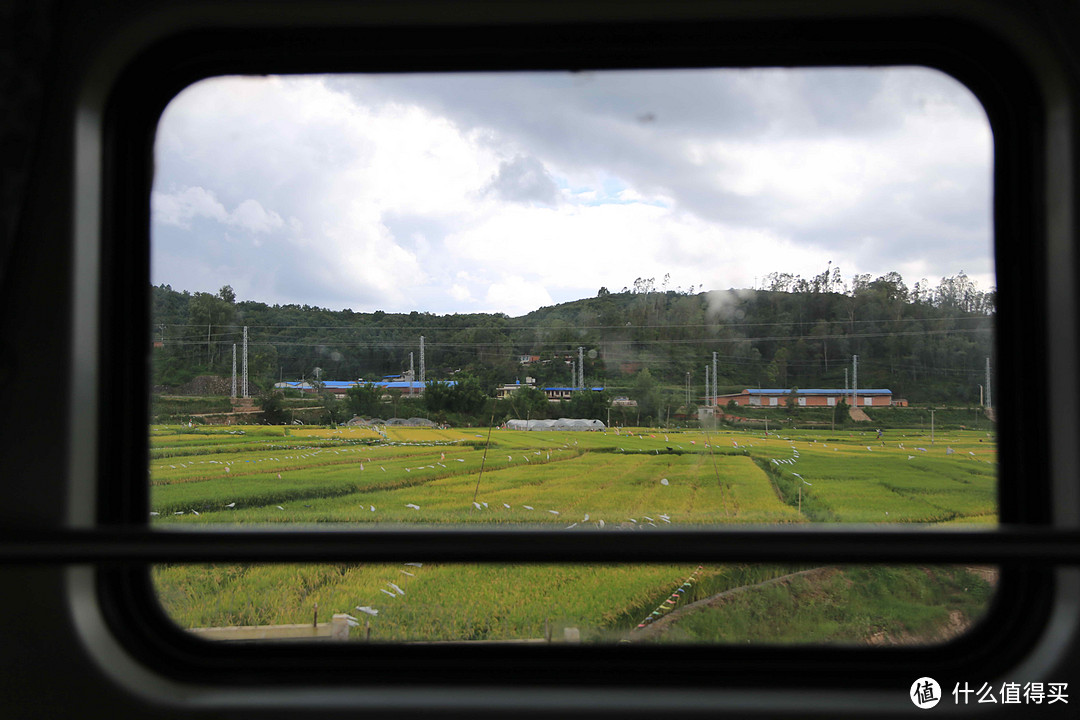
(927, 343)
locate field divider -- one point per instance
(231, 448)
(651, 630)
(813, 509)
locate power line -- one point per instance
(717, 324)
(570, 344)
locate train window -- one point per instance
(607, 301)
(542, 345)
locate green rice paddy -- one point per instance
(637, 480)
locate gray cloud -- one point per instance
(524, 180)
(594, 120)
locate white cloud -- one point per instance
(455, 192)
(179, 208)
(460, 293)
(252, 216)
(517, 296)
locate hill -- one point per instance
(925, 343)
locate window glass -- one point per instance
(619, 301)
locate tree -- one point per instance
(364, 400)
(273, 406)
(590, 404)
(792, 400)
(529, 402)
(395, 396)
(468, 396)
(647, 393)
(778, 368)
(331, 406)
(210, 311)
(841, 413)
(465, 396)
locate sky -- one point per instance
(505, 192)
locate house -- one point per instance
(506, 390)
(559, 394)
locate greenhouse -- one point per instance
(560, 424)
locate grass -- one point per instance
(846, 606)
(174, 407)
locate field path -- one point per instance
(661, 626)
(858, 414)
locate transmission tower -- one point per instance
(245, 363)
(422, 376)
(715, 384)
(234, 370)
(989, 397)
(581, 366)
(707, 395)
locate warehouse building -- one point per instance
(777, 397)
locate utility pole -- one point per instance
(687, 392)
(245, 362)
(412, 373)
(573, 374)
(423, 380)
(233, 370)
(989, 403)
(581, 366)
(855, 380)
(931, 426)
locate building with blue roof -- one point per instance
(812, 397)
(341, 387)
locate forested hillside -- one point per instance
(926, 343)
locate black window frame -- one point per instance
(986, 63)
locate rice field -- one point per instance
(635, 480)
